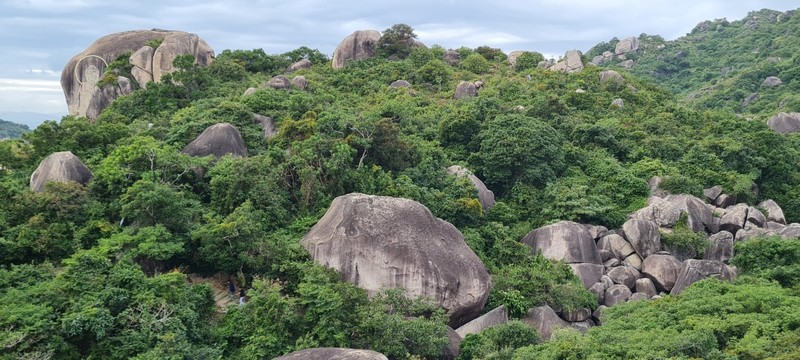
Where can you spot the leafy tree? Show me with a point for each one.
(397, 41)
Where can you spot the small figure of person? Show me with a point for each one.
(241, 296)
(231, 290)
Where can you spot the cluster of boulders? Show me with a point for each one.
(152, 53)
(625, 46)
(282, 82)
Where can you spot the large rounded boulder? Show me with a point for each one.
(60, 167)
(333, 354)
(153, 52)
(379, 242)
(693, 271)
(218, 140)
(785, 123)
(572, 243)
(357, 46)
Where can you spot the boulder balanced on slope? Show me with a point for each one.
(379, 242)
(571, 242)
(359, 45)
(485, 196)
(218, 140)
(60, 167)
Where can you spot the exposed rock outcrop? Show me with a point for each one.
(625, 46)
(380, 242)
(785, 123)
(279, 82)
(267, 125)
(103, 96)
(465, 89)
(357, 46)
(643, 236)
(693, 271)
(571, 62)
(400, 84)
(611, 76)
(82, 73)
(662, 269)
(218, 140)
(774, 212)
(60, 167)
(485, 196)
(568, 241)
(333, 354)
(498, 316)
(299, 65)
(545, 320)
(771, 81)
(721, 247)
(299, 82)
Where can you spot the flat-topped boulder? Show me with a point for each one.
(60, 167)
(379, 242)
(218, 140)
(485, 196)
(565, 240)
(357, 46)
(153, 52)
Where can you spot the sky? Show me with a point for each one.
(37, 37)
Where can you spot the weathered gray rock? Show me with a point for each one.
(660, 211)
(498, 316)
(485, 196)
(734, 218)
(774, 212)
(299, 82)
(597, 315)
(545, 320)
(588, 273)
(618, 103)
(785, 123)
(400, 84)
(627, 64)
(606, 255)
(571, 62)
(791, 232)
(643, 236)
(634, 261)
(465, 89)
(565, 240)
(267, 124)
(179, 43)
(617, 245)
(755, 217)
(142, 61)
(774, 226)
(333, 354)
(638, 297)
(749, 99)
(655, 187)
(299, 65)
(662, 269)
(725, 200)
(575, 315)
(218, 140)
(381, 242)
(452, 350)
(452, 57)
(699, 217)
(721, 248)
(357, 46)
(279, 82)
(611, 76)
(60, 167)
(606, 281)
(103, 96)
(624, 275)
(625, 46)
(712, 193)
(771, 81)
(646, 286)
(617, 294)
(596, 231)
(693, 271)
(610, 263)
(599, 291)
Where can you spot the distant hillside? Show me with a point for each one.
(10, 130)
(723, 64)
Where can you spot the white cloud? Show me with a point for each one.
(33, 95)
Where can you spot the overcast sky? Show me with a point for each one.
(37, 37)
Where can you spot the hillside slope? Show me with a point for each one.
(725, 64)
(11, 130)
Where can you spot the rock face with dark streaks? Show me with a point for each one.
(571, 242)
(60, 167)
(380, 242)
(218, 140)
(693, 271)
(83, 72)
(359, 45)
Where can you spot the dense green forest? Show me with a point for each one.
(10, 130)
(723, 64)
(101, 271)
